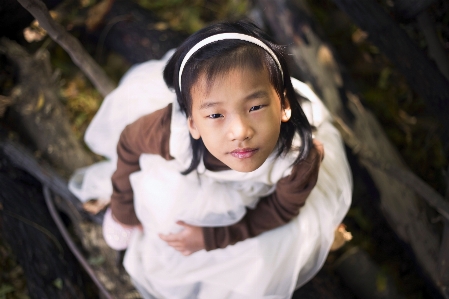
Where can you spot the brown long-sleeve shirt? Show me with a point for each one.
(150, 134)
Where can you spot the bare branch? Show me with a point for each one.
(72, 46)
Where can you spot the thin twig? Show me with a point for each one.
(65, 234)
(23, 159)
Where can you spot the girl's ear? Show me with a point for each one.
(192, 128)
(286, 111)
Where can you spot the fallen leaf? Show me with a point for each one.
(58, 283)
(95, 206)
(40, 102)
(341, 236)
(5, 289)
(97, 13)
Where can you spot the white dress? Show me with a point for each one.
(271, 265)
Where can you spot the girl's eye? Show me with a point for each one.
(254, 108)
(215, 115)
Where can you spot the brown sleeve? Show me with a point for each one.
(274, 210)
(149, 134)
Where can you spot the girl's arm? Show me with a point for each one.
(274, 210)
(149, 134)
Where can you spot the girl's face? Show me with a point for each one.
(238, 117)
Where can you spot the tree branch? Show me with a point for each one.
(72, 46)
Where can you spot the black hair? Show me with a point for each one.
(222, 56)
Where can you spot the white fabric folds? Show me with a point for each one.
(271, 265)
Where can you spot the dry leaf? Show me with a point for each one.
(4, 103)
(40, 102)
(341, 236)
(359, 36)
(34, 35)
(96, 14)
(96, 206)
(34, 32)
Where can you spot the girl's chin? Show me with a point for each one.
(241, 167)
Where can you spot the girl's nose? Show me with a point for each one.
(240, 129)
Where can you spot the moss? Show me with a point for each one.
(192, 15)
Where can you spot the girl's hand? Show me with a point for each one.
(116, 234)
(188, 241)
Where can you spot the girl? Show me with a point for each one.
(209, 181)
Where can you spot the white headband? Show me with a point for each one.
(223, 36)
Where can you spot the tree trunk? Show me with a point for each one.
(421, 73)
(359, 128)
(408, 9)
(134, 32)
(38, 113)
(104, 262)
(435, 47)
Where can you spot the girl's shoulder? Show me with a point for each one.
(150, 133)
(160, 118)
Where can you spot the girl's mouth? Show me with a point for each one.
(243, 153)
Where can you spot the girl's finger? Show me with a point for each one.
(180, 222)
(181, 249)
(185, 253)
(170, 237)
